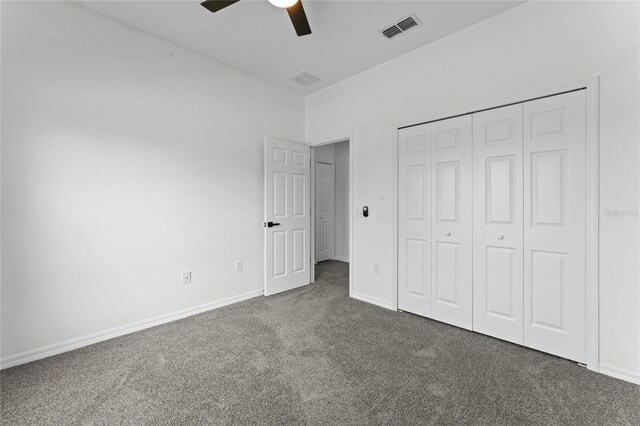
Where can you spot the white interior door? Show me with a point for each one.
(414, 220)
(324, 211)
(287, 223)
(555, 225)
(452, 221)
(497, 223)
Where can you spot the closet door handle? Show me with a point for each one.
(500, 237)
(448, 234)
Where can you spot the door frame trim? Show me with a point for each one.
(348, 137)
(592, 86)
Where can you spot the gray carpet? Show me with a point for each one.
(311, 356)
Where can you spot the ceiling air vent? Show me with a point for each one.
(401, 26)
(304, 78)
(391, 32)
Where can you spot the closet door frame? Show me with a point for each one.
(591, 86)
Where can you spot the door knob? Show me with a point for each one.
(448, 234)
(500, 237)
(271, 224)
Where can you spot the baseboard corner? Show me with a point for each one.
(372, 300)
(620, 373)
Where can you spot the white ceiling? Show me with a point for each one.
(258, 38)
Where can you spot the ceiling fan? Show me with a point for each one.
(294, 8)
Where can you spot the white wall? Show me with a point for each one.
(125, 161)
(341, 173)
(530, 47)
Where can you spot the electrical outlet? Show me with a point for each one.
(376, 268)
(238, 265)
(186, 277)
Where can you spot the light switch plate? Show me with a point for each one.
(186, 277)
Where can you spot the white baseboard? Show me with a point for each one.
(341, 259)
(620, 373)
(90, 339)
(372, 300)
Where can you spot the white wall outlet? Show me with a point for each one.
(186, 277)
(238, 265)
(376, 268)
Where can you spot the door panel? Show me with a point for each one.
(287, 200)
(279, 253)
(279, 194)
(299, 185)
(446, 265)
(414, 220)
(447, 191)
(299, 252)
(452, 225)
(498, 220)
(500, 283)
(548, 285)
(415, 176)
(500, 185)
(554, 225)
(548, 191)
(324, 211)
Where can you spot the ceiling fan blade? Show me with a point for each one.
(216, 5)
(299, 19)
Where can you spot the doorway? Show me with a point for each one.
(331, 207)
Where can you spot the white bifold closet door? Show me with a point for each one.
(451, 285)
(555, 225)
(434, 213)
(414, 225)
(530, 224)
(497, 223)
(526, 178)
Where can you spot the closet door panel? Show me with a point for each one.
(452, 221)
(498, 221)
(414, 220)
(555, 225)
